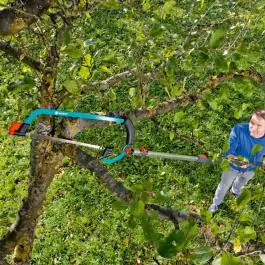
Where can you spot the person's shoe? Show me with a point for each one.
(213, 208)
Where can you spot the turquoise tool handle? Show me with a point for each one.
(129, 142)
(62, 113)
(88, 116)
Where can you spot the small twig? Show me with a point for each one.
(249, 253)
(20, 11)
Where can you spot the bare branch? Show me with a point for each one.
(19, 11)
(118, 188)
(21, 14)
(72, 127)
(100, 171)
(20, 55)
(113, 80)
(45, 161)
(257, 251)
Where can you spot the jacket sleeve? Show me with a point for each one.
(233, 141)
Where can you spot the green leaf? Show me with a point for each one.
(206, 215)
(84, 72)
(149, 230)
(68, 103)
(256, 148)
(169, 7)
(137, 208)
(213, 104)
(71, 86)
(175, 91)
(225, 165)
(237, 245)
(262, 237)
(179, 116)
(178, 239)
(202, 4)
(168, 247)
(171, 135)
(88, 60)
(66, 37)
(111, 4)
(217, 38)
(146, 5)
(132, 92)
(201, 255)
(244, 106)
(238, 113)
(132, 222)
(73, 52)
(111, 58)
(243, 199)
(233, 66)
(228, 259)
(137, 187)
(105, 69)
(247, 233)
(147, 185)
(221, 64)
(202, 58)
(246, 219)
(120, 205)
(136, 102)
(112, 94)
(215, 229)
(226, 147)
(190, 229)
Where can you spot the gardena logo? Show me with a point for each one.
(61, 113)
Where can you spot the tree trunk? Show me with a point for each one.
(45, 161)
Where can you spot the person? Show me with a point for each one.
(243, 142)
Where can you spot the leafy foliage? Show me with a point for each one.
(183, 43)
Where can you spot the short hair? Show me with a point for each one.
(260, 113)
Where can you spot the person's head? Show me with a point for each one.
(257, 124)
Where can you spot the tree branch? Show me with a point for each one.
(19, 55)
(72, 127)
(113, 80)
(45, 161)
(21, 14)
(100, 171)
(118, 188)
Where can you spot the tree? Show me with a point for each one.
(67, 51)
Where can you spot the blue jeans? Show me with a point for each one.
(239, 179)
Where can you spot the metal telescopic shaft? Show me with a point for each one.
(60, 140)
(172, 156)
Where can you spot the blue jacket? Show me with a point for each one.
(241, 144)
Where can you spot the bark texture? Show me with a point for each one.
(118, 188)
(45, 161)
(21, 14)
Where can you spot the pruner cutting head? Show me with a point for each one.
(18, 128)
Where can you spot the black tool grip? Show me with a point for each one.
(129, 130)
(22, 130)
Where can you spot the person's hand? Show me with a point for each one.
(231, 157)
(242, 163)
